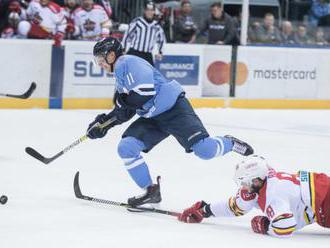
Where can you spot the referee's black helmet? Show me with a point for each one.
(149, 5)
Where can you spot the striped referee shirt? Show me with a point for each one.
(142, 35)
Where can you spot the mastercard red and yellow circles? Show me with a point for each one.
(218, 73)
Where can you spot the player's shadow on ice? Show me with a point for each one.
(228, 227)
(235, 227)
(309, 234)
(238, 227)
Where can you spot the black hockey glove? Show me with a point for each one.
(120, 113)
(94, 130)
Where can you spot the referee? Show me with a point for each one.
(142, 35)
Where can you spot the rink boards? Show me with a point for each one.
(196, 102)
(267, 77)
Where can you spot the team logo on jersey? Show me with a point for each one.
(89, 25)
(246, 196)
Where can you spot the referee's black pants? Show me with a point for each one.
(143, 55)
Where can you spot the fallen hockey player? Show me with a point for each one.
(289, 201)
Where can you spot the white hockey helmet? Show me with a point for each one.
(252, 167)
(23, 28)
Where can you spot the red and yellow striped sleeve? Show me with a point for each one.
(283, 225)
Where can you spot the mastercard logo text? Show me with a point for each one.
(218, 72)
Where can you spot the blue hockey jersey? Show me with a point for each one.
(135, 74)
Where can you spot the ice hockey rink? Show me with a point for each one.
(42, 210)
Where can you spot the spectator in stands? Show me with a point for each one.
(15, 14)
(220, 26)
(106, 6)
(320, 37)
(319, 9)
(143, 34)
(46, 20)
(69, 8)
(253, 32)
(10, 31)
(287, 33)
(163, 16)
(301, 36)
(184, 26)
(91, 21)
(268, 32)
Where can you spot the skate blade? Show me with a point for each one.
(134, 210)
(147, 205)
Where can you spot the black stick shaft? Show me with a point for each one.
(121, 204)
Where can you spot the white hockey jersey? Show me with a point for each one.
(287, 200)
(51, 17)
(93, 24)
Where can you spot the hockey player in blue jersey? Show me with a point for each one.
(163, 109)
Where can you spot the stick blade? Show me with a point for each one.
(27, 94)
(76, 186)
(32, 152)
(30, 91)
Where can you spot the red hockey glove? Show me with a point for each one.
(70, 28)
(196, 213)
(260, 224)
(58, 37)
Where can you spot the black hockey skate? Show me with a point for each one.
(240, 146)
(152, 195)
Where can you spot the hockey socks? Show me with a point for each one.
(209, 148)
(139, 171)
(129, 150)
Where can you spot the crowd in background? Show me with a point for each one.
(46, 19)
(266, 32)
(95, 19)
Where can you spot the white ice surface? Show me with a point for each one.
(43, 212)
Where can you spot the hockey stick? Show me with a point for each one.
(79, 195)
(26, 95)
(32, 152)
